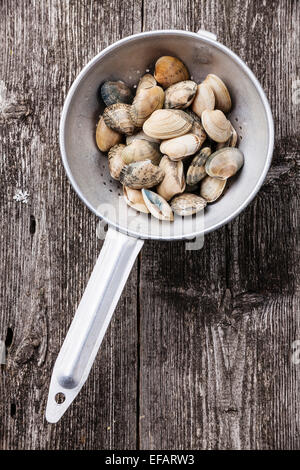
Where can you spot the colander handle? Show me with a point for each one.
(207, 34)
(91, 320)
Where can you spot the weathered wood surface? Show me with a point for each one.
(198, 355)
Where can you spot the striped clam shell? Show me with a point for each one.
(187, 204)
(115, 160)
(145, 103)
(115, 92)
(117, 117)
(170, 70)
(157, 205)
(216, 125)
(180, 95)
(140, 150)
(134, 198)
(181, 147)
(167, 123)
(224, 163)
(222, 96)
(140, 175)
(212, 188)
(196, 171)
(174, 181)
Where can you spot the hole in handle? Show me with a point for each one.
(60, 398)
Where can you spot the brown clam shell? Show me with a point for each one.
(170, 70)
(106, 137)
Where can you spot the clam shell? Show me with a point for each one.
(144, 103)
(167, 123)
(204, 99)
(186, 114)
(224, 162)
(115, 92)
(140, 136)
(196, 171)
(141, 175)
(134, 198)
(140, 150)
(216, 125)
(212, 188)
(180, 147)
(115, 161)
(157, 205)
(170, 70)
(173, 182)
(117, 117)
(180, 95)
(193, 116)
(106, 137)
(146, 82)
(222, 96)
(197, 127)
(231, 142)
(187, 204)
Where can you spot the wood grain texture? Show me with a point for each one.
(45, 272)
(198, 355)
(217, 373)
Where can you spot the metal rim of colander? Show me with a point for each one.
(235, 58)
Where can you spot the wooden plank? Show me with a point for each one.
(49, 246)
(213, 334)
(217, 326)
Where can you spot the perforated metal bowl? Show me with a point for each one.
(88, 172)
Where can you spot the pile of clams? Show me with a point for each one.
(171, 145)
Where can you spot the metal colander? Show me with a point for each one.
(87, 170)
